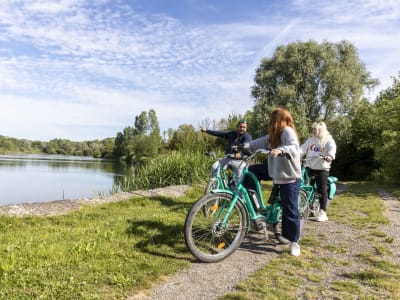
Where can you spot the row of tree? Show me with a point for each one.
(315, 81)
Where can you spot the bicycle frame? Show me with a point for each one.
(219, 178)
(309, 186)
(267, 213)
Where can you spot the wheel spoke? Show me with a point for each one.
(206, 234)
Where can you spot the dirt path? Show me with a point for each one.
(210, 281)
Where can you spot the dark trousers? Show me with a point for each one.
(261, 172)
(290, 210)
(321, 179)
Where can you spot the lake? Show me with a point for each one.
(43, 178)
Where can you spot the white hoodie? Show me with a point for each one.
(313, 148)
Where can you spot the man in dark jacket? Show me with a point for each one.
(234, 137)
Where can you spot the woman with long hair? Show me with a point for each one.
(320, 144)
(284, 168)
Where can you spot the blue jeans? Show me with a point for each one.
(290, 210)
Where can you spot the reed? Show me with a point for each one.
(173, 169)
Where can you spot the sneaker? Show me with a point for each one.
(322, 217)
(295, 250)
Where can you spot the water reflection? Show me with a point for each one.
(42, 178)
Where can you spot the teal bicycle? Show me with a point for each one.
(217, 223)
(309, 187)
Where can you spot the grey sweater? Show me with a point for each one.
(280, 168)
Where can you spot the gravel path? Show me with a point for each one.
(210, 281)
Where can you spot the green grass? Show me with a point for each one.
(102, 252)
(308, 276)
(119, 249)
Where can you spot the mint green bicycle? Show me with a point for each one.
(217, 223)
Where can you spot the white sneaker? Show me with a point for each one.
(295, 250)
(322, 217)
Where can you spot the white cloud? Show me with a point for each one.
(79, 64)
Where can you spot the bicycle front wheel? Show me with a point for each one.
(207, 237)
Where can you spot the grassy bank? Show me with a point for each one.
(117, 249)
(103, 252)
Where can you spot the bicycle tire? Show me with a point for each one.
(304, 210)
(204, 238)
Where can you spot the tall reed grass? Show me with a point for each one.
(173, 169)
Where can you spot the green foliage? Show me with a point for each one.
(387, 123)
(173, 169)
(137, 144)
(314, 81)
(95, 148)
(186, 138)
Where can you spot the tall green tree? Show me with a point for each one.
(315, 81)
(140, 142)
(387, 125)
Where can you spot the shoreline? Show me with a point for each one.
(58, 207)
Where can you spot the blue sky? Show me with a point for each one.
(83, 69)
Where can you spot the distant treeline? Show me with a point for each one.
(96, 148)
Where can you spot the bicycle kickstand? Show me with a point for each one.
(264, 226)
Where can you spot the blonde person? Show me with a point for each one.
(320, 144)
(284, 168)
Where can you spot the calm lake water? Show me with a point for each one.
(43, 178)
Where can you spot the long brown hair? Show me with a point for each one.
(280, 118)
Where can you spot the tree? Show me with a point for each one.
(141, 141)
(386, 125)
(314, 81)
(186, 138)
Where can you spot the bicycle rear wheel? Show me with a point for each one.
(206, 236)
(304, 210)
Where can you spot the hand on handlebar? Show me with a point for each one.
(275, 153)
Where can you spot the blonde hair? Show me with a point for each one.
(322, 132)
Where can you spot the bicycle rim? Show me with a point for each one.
(206, 237)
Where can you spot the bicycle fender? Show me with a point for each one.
(222, 191)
